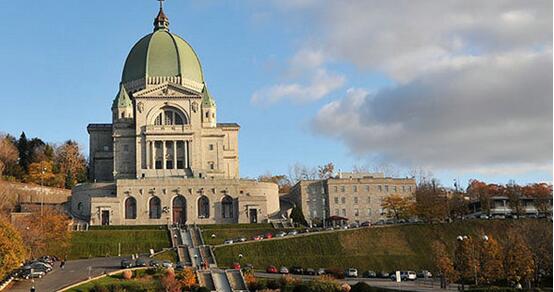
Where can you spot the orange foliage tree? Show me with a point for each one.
(188, 278)
(12, 249)
(443, 262)
(47, 234)
(397, 206)
(492, 266)
(169, 282)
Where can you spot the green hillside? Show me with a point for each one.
(105, 242)
(378, 249)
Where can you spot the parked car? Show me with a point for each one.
(370, 274)
(412, 275)
(31, 273)
(354, 225)
(280, 234)
(383, 274)
(271, 269)
(125, 264)
(293, 232)
(424, 274)
(41, 266)
(229, 241)
(241, 239)
(155, 263)
(268, 235)
(257, 237)
(248, 268)
(365, 224)
(46, 259)
(405, 275)
(330, 228)
(351, 273)
(141, 262)
(310, 272)
(235, 266)
(179, 266)
(483, 216)
(296, 270)
(167, 264)
(283, 270)
(320, 271)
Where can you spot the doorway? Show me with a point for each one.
(179, 210)
(105, 217)
(253, 214)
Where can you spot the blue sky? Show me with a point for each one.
(288, 72)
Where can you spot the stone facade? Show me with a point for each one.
(164, 158)
(355, 196)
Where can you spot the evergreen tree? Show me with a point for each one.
(23, 148)
(297, 216)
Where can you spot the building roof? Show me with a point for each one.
(122, 99)
(162, 54)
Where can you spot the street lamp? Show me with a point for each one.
(463, 238)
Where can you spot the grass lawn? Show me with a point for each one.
(378, 249)
(98, 243)
(233, 231)
(170, 255)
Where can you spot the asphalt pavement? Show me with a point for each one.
(74, 272)
(417, 285)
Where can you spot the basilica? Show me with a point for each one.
(165, 158)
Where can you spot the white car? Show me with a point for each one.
(229, 241)
(352, 273)
(412, 275)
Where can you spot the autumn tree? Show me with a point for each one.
(326, 171)
(187, 278)
(466, 259)
(43, 173)
(542, 193)
(281, 180)
(71, 162)
(540, 243)
(514, 194)
(480, 190)
(8, 153)
(491, 260)
(397, 206)
(431, 201)
(443, 263)
(12, 249)
(457, 205)
(518, 262)
(46, 234)
(169, 281)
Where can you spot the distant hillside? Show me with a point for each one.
(377, 249)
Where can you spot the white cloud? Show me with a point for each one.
(307, 80)
(491, 113)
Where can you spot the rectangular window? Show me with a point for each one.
(394, 189)
(369, 212)
(355, 200)
(336, 200)
(386, 188)
(314, 213)
(342, 189)
(356, 212)
(169, 164)
(336, 188)
(403, 188)
(355, 189)
(343, 212)
(369, 200)
(367, 188)
(380, 188)
(337, 212)
(211, 146)
(125, 148)
(343, 200)
(180, 164)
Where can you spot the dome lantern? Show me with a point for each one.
(161, 21)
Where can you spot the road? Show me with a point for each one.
(75, 271)
(418, 285)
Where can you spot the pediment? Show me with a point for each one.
(166, 90)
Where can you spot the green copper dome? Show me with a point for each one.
(162, 54)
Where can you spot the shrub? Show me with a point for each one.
(127, 275)
(273, 284)
(361, 287)
(99, 288)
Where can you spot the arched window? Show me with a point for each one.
(170, 116)
(130, 208)
(227, 207)
(155, 208)
(203, 207)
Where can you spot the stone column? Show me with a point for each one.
(174, 154)
(152, 155)
(163, 154)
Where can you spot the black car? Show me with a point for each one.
(155, 263)
(126, 264)
(310, 272)
(370, 274)
(180, 266)
(383, 274)
(141, 262)
(296, 270)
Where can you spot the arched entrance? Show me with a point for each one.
(179, 210)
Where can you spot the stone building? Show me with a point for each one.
(164, 158)
(355, 196)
